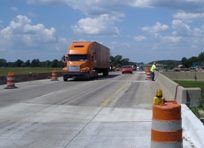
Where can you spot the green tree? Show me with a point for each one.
(34, 63)
(117, 60)
(48, 63)
(170, 64)
(61, 64)
(3, 63)
(201, 58)
(125, 61)
(54, 63)
(191, 61)
(11, 64)
(27, 63)
(37, 62)
(184, 61)
(18, 63)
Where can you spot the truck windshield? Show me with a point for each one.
(77, 57)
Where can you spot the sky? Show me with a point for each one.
(140, 30)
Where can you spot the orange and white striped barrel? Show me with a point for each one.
(10, 81)
(148, 74)
(54, 75)
(166, 125)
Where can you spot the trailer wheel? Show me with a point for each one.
(105, 72)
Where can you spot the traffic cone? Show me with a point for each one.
(10, 81)
(54, 75)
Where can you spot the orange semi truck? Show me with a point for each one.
(85, 60)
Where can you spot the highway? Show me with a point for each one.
(112, 112)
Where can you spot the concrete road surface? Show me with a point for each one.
(110, 112)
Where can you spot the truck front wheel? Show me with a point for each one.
(64, 78)
(87, 76)
(96, 74)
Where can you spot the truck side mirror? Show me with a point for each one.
(65, 58)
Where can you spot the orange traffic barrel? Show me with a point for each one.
(54, 75)
(10, 81)
(166, 125)
(148, 74)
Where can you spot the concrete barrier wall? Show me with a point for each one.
(192, 125)
(29, 77)
(185, 75)
(173, 91)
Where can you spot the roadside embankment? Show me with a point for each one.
(29, 77)
(173, 91)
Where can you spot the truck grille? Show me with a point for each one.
(74, 68)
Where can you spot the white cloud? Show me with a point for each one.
(89, 7)
(189, 16)
(48, 2)
(184, 5)
(1, 22)
(98, 7)
(181, 29)
(194, 47)
(198, 32)
(140, 38)
(100, 26)
(23, 35)
(158, 27)
(124, 45)
(63, 43)
(141, 3)
(14, 9)
(172, 39)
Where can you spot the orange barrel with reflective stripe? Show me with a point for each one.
(54, 75)
(10, 81)
(166, 125)
(148, 74)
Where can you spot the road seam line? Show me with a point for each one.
(116, 92)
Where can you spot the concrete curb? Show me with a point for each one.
(193, 126)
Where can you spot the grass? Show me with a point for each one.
(26, 70)
(188, 84)
(195, 109)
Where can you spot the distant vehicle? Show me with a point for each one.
(134, 67)
(141, 68)
(85, 60)
(127, 69)
(180, 66)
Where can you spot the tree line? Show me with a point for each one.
(193, 61)
(185, 62)
(32, 63)
(116, 61)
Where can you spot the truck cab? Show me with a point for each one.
(85, 60)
